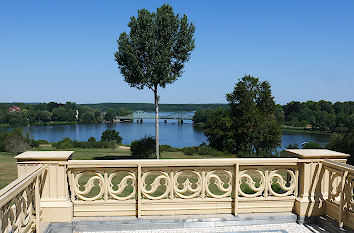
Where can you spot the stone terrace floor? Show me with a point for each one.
(223, 223)
(268, 228)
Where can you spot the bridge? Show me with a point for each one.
(151, 115)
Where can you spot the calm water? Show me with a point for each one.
(171, 133)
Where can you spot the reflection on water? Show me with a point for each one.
(171, 133)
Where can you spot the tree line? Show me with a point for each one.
(19, 114)
(319, 116)
(66, 113)
(322, 115)
(149, 107)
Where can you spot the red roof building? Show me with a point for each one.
(14, 109)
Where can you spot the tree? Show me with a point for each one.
(59, 114)
(249, 126)
(343, 143)
(87, 118)
(143, 148)
(14, 141)
(44, 115)
(153, 54)
(111, 135)
(110, 115)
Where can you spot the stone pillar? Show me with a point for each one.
(55, 202)
(313, 179)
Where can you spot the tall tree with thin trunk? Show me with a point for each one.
(153, 53)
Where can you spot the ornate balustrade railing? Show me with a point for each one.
(165, 187)
(19, 202)
(308, 184)
(340, 202)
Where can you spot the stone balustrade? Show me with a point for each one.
(312, 183)
(20, 202)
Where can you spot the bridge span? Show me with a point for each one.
(151, 115)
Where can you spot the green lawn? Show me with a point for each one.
(8, 168)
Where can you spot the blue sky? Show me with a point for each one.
(63, 50)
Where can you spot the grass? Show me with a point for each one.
(91, 153)
(8, 169)
(302, 130)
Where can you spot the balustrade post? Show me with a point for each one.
(55, 205)
(341, 202)
(313, 179)
(139, 191)
(37, 203)
(236, 188)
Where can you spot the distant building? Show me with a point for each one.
(14, 109)
(308, 126)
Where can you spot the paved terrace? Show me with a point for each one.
(56, 194)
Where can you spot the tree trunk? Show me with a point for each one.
(157, 123)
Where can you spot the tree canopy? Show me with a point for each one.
(154, 51)
(249, 126)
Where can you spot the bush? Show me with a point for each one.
(143, 148)
(189, 150)
(168, 148)
(312, 145)
(15, 142)
(112, 144)
(42, 142)
(202, 149)
(91, 139)
(111, 135)
(66, 143)
(205, 150)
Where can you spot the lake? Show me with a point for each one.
(171, 133)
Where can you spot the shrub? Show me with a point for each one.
(42, 141)
(189, 151)
(168, 148)
(91, 139)
(205, 150)
(15, 142)
(143, 148)
(112, 144)
(111, 135)
(66, 143)
(312, 145)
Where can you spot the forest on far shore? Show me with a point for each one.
(320, 116)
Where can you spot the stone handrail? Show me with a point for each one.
(19, 202)
(340, 202)
(182, 186)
